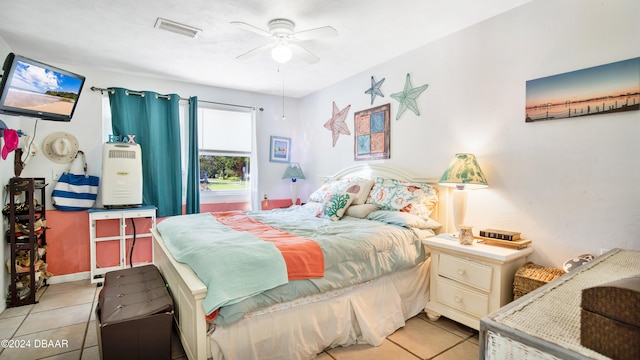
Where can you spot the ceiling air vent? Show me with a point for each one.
(177, 28)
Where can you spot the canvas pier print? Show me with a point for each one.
(603, 89)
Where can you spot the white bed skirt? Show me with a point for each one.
(366, 314)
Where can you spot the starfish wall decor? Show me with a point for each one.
(374, 90)
(337, 124)
(407, 98)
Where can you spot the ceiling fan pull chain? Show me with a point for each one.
(282, 92)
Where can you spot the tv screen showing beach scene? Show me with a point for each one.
(35, 89)
(604, 89)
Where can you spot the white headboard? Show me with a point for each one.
(389, 172)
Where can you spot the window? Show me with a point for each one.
(225, 146)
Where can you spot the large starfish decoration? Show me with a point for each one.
(375, 89)
(336, 124)
(407, 98)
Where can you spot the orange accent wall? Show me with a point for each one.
(68, 242)
(68, 239)
(68, 236)
(107, 251)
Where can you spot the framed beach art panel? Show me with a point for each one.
(372, 133)
(280, 149)
(603, 89)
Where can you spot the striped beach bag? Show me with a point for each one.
(74, 192)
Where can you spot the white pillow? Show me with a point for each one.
(403, 219)
(361, 211)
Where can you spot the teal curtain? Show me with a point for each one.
(193, 166)
(155, 123)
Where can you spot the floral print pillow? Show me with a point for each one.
(359, 187)
(414, 198)
(328, 188)
(336, 205)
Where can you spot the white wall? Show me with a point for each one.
(568, 185)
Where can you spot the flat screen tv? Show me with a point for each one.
(34, 89)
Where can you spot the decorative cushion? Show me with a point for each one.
(361, 211)
(337, 205)
(327, 189)
(356, 186)
(360, 189)
(414, 198)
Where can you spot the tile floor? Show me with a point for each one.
(64, 320)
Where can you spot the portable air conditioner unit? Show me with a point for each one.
(121, 175)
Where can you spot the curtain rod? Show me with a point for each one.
(102, 90)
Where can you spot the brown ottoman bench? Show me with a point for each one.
(134, 315)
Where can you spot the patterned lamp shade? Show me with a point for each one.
(464, 173)
(293, 172)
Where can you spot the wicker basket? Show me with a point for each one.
(531, 276)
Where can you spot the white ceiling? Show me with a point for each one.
(119, 35)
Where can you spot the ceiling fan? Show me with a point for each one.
(285, 38)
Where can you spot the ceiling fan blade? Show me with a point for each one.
(305, 54)
(252, 28)
(325, 31)
(255, 51)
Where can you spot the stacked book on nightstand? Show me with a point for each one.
(502, 237)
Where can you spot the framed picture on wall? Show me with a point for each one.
(603, 89)
(372, 133)
(280, 149)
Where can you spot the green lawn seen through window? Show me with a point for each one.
(222, 185)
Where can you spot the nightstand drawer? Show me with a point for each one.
(465, 271)
(465, 300)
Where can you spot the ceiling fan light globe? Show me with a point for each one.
(281, 53)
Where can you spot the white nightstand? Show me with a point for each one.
(468, 282)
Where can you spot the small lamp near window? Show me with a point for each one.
(293, 172)
(464, 174)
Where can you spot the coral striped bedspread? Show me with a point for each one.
(354, 251)
(303, 257)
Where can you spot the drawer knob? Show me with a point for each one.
(458, 298)
(460, 271)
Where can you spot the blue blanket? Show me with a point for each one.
(233, 265)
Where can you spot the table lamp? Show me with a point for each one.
(293, 172)
(464, 174)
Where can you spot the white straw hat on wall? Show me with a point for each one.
(60, 147)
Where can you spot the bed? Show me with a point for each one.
(291, 320)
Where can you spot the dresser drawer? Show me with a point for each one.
(465, 300)
(465, 271)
